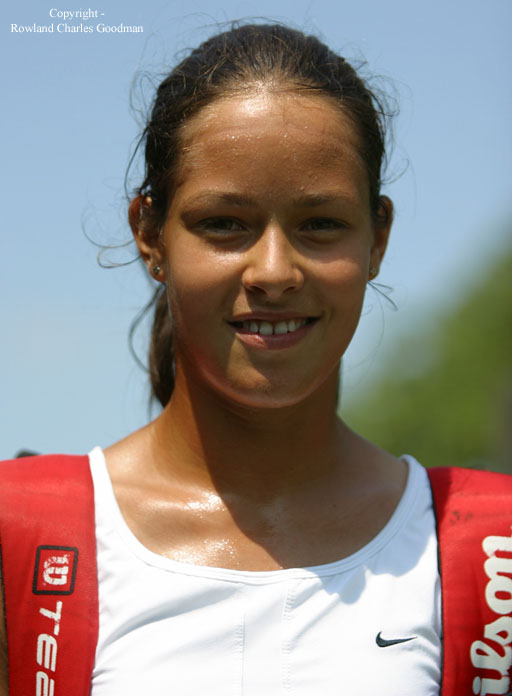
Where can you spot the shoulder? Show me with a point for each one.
(474, 517)
(40, 466)
(31, 487)
(39, 473)
(471, 505)
(46, 523)
(459, 482)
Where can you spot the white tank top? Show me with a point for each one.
(368, 625)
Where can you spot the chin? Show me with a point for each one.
(264, 393)
(267, 401)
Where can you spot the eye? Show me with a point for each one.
(221, 228)
(221, 224)
(323, 229)
(321, 224)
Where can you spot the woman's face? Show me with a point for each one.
(267, 246)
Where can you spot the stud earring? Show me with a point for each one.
(156, 270)
(372, 272)
(145, 203)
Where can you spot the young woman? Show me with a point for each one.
(248, 541)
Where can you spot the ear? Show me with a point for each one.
(149, 243)
(381, 229)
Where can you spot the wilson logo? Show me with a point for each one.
(55, 570)
(493, 654)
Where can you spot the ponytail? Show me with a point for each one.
(161, 363)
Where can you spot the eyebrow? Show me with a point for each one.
(211, 197)
(313, 199)
(305, 200)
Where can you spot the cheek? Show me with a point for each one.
(345, 281)
(198, 286)
(345, 287)
(187, 301)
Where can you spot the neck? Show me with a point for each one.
(258, 453)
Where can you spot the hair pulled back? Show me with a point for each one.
(271, 55)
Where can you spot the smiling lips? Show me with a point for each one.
(269, 328)
(282, 333)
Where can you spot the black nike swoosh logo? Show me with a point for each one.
(383, 643)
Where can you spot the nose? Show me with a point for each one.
(273, 265)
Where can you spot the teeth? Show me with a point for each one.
(281, 327)
(267, 328)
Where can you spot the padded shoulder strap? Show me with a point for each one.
(48, 554)
(474, 520)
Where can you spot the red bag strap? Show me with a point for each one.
(48, 556)
(474, 521)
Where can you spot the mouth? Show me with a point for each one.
(264, 327)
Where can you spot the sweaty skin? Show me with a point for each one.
(248, 465)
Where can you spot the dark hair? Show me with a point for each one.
(231, 62)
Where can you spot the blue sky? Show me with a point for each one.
(67, 380)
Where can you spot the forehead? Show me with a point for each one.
(282, 136)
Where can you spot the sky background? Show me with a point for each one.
(67, 379)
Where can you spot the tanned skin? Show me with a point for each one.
(248, 466)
